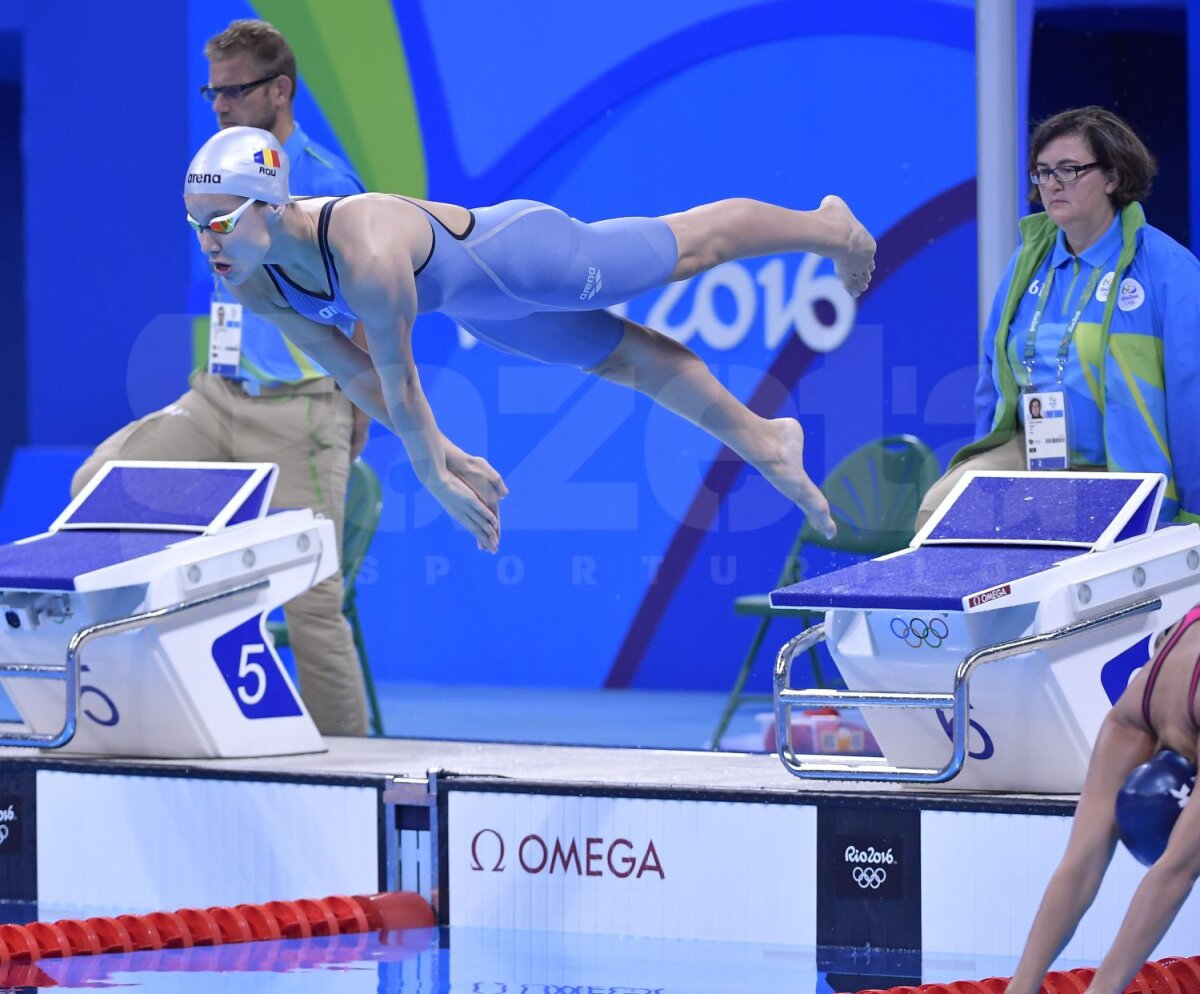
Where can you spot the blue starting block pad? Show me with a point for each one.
(993, 530)
(170, 570)
(1009, 556)
(170, 497)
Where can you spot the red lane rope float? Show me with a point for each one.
(113, 936)
(320, 919)
(174, 933)
(1159, 979)
(293, 922)
(396, 910)
(263, 924)
(1173, 975)
(51, 940)
(202, 925)
(83, 938)
(20, 943)
(1186, 971)
(349, 915)
(23, 945)
(1064, 983)
(142, 933)
(233, 925)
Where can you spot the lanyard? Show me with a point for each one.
(1065, 345)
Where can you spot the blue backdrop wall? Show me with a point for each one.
(105, 130)
(626, 537)
(624, 543)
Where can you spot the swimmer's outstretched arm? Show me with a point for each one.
(376, 248)
(471, 480)
(1155, 904)
(345, 360)
(1120, 746)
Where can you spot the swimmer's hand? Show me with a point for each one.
(465, 507)
(481, 477)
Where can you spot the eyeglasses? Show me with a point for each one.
(235, 91)
(1064, 174)
(222, 224)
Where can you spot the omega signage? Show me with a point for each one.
(537, 854)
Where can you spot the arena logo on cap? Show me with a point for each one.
(214, 178)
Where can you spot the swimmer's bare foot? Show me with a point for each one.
(784, 470)
(855, 261)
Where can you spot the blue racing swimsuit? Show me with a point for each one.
(524, 277)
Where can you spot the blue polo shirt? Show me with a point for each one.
(1152, 354)
(269, 358)
(1085, 422)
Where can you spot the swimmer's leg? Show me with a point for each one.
(674, 377)
(740, 228)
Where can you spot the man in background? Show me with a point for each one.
(261, 399)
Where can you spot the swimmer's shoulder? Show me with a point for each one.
(1128, 709)
(374, 230)
(456, 220)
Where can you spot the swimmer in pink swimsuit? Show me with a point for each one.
(1138, 784)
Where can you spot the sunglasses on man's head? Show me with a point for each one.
(222, 224)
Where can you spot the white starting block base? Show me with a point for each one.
(1007, 557)
(135, 625)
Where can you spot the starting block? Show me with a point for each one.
(135, 625)
(1064, 575)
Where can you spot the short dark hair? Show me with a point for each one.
(262, 41)
(1114, 144)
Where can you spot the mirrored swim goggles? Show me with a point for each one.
(222, 224)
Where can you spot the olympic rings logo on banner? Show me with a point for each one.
(917, 632)
(869, 877)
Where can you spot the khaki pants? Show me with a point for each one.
(305, 430)
(1009, 456)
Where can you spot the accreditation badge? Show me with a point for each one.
(224, 337)
(1046, 429)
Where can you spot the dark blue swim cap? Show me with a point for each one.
(1150, 801)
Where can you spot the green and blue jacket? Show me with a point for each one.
(1132, 377)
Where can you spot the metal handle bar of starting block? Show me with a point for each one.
(70, 672)
(958, 699)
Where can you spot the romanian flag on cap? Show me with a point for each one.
(267, 157)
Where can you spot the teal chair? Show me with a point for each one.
(364, 505)
(874, 494)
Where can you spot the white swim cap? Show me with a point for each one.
(244, 162)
